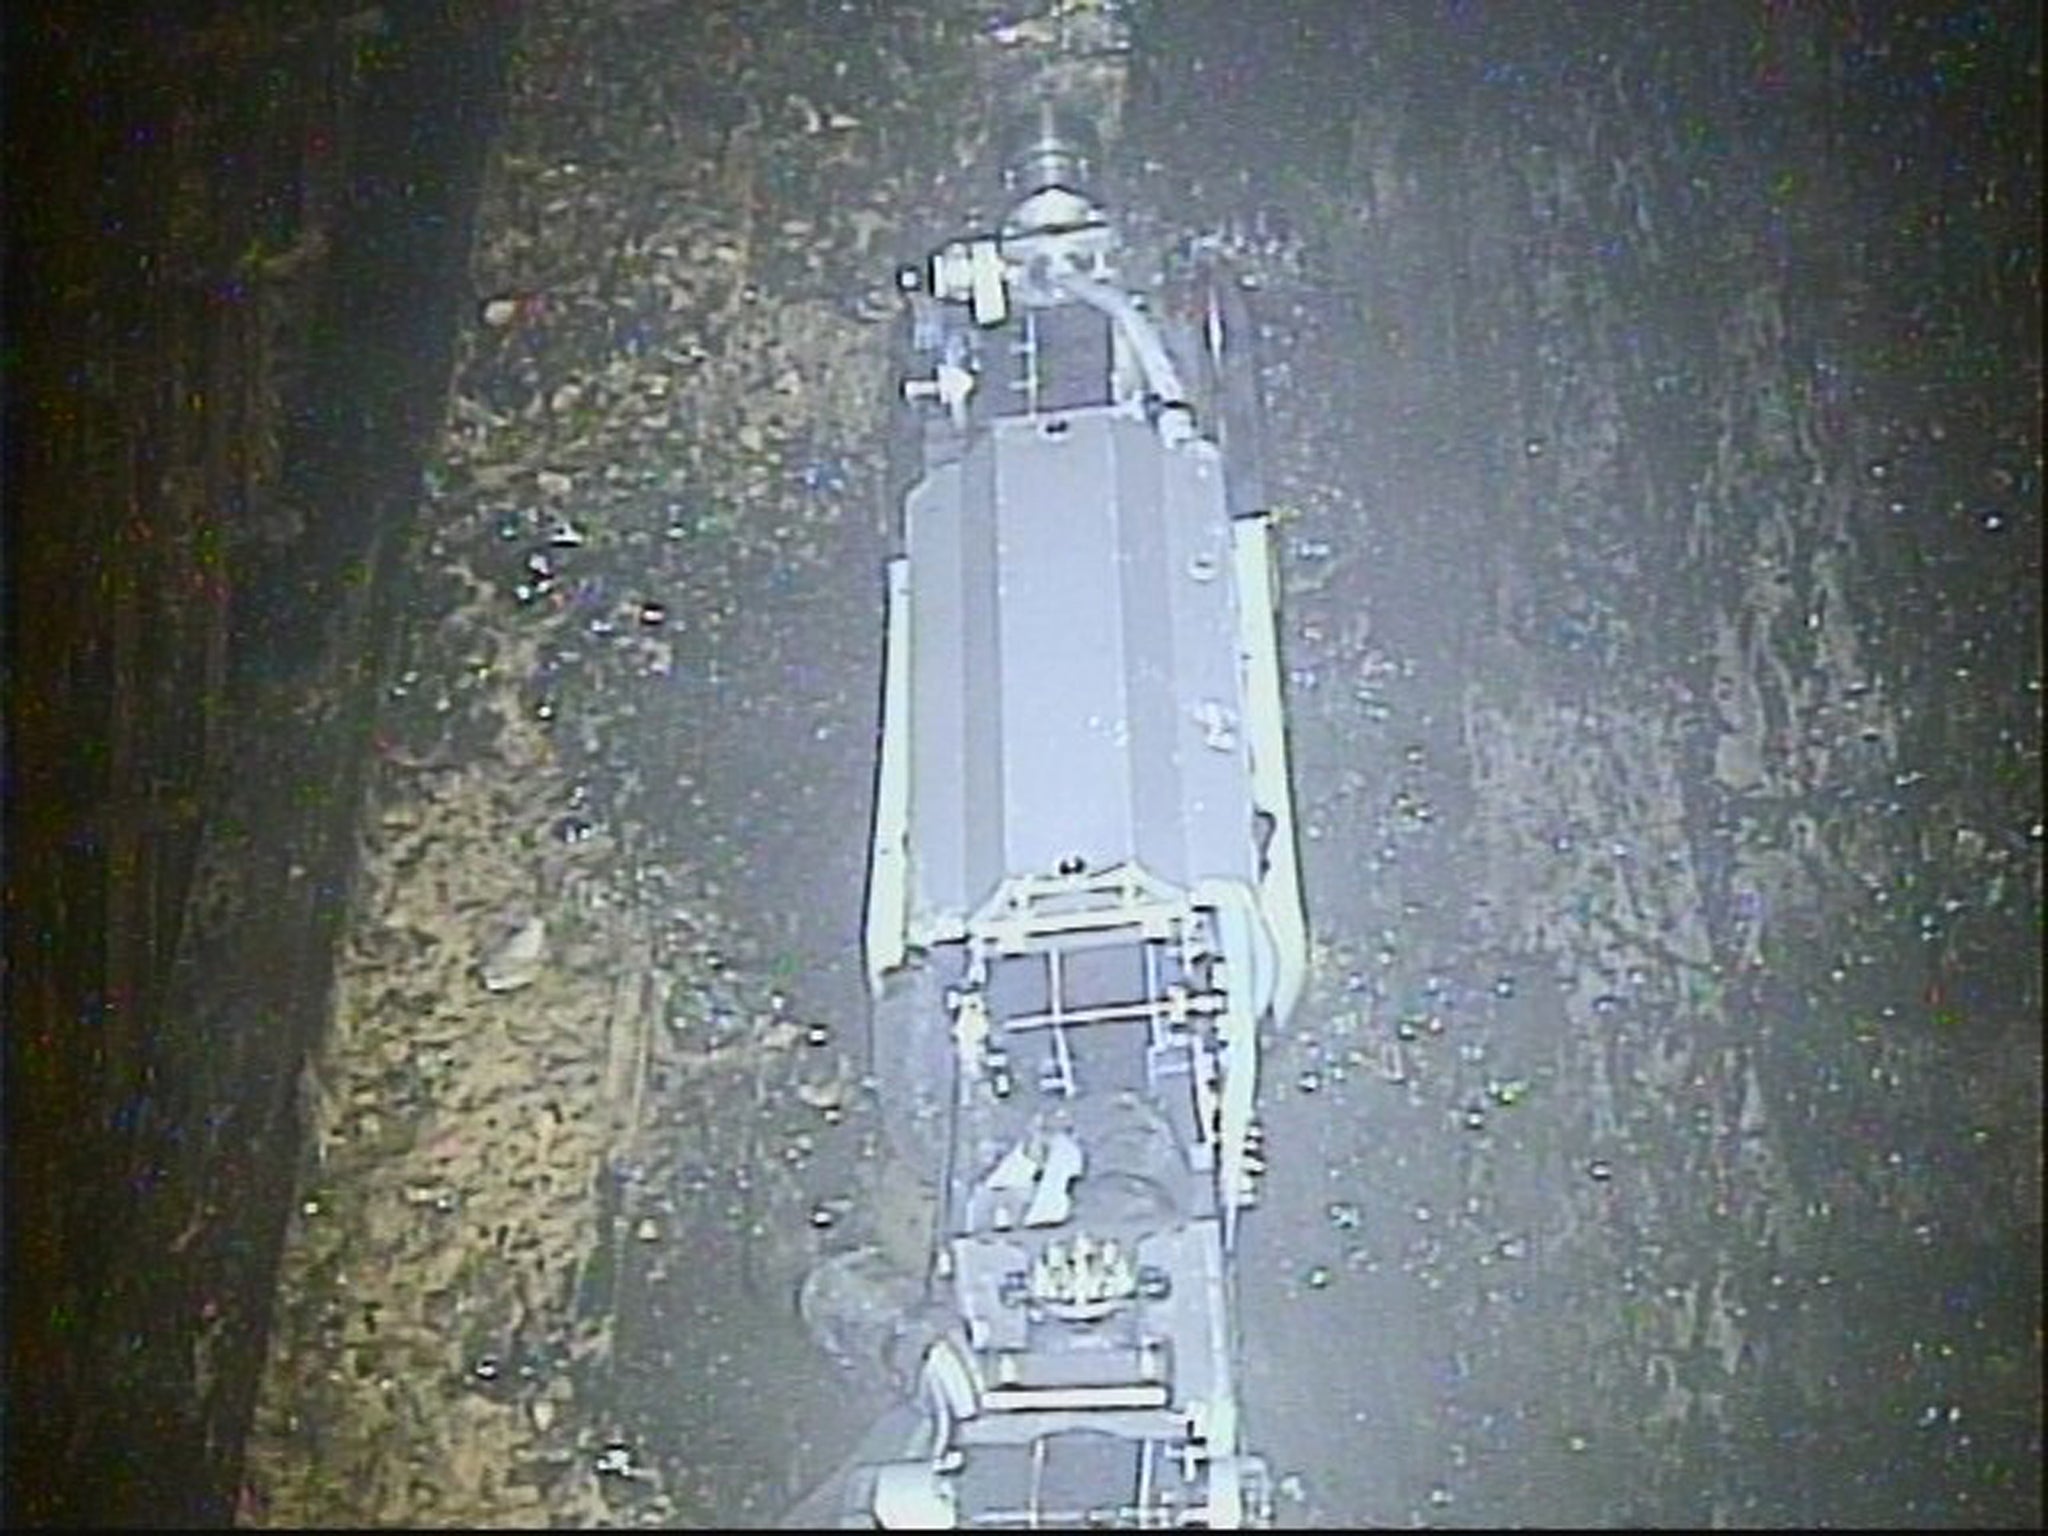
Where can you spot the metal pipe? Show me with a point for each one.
(1161, 377)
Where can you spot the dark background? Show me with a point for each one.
(235, 235)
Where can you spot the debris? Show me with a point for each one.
(516, 960)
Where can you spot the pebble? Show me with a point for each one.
(517, 960)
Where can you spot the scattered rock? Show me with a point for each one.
(516, 960)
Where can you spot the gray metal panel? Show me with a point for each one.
(1067, 774)
(1215, 789)
(955, 730)
(938, 726)
(1064, 646)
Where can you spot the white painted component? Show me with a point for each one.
(1280, 902)
(888, 881)
(911, 1496)
(1053, 1201)
(950, 386)
(1226, 1495)
(1016, 1170)
(949, 1381)
(970, 1032)
(989, 284)
(1131, 1395)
